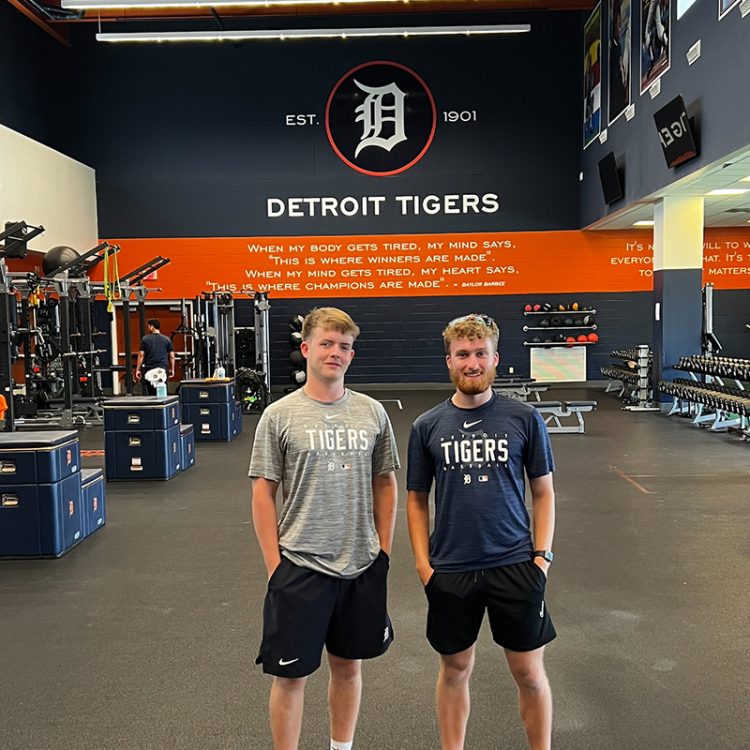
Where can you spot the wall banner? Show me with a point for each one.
(656, 37)
(619, 58)
(592, 76)
(423, 264)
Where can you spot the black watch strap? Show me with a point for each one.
(545, 554)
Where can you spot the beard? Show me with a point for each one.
(473, 386)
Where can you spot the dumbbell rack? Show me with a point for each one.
(636, 388)
(643, 391)
(711, 402)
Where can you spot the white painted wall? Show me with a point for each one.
(44, 187)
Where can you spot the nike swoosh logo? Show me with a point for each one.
(283, 663)
(471, 424)
(329, 417)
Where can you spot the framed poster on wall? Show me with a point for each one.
(592, 76)
(619, 39)
(725, 6)
(656, 37)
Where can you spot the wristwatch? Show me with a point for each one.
(545, 554)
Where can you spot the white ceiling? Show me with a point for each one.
(720, 211)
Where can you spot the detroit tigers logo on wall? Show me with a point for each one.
(380, 118)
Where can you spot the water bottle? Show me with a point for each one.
(161, 390)
(220, 373)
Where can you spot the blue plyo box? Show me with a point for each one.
(211, 421)
(142, 455)
(40, 457)
(187, 441)
(92, 493)
(206, 391)
(41, 520)
(141, 413)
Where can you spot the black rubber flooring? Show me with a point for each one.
(144, 636)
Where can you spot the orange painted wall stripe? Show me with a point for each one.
(423, 264)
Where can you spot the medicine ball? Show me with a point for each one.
(568, 322)
(570, 340)
(575, 306)
(562, 308)
(536, 340)
(578, 322)
(547, 307)
(544, 323)
(527, 308)
(537, 308)
(582, 338)
(299, 376)
(56, 257)
(560, 338)
(296, 357)
(588, 320)
(295, 338)
(593, 337)
(295, 324)
(555, 322)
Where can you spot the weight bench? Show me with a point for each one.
(554, 411)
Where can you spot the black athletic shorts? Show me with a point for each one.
(512, 595)
(305, 610)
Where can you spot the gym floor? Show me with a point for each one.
(144, 636)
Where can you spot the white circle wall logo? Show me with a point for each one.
(380, 118)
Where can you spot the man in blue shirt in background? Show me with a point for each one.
(478, 447)
(156, 350)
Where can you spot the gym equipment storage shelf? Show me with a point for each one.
(563, 327)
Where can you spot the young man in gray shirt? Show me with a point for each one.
(333, 452)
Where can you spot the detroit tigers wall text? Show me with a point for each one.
(373, 205)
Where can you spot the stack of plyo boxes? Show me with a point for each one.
(47, 503)
(210, 406)
(142, 438)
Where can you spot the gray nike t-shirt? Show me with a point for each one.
(325, 456)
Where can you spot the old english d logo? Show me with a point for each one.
(380, 118)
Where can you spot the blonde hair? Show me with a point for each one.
(329, 319)
(474, 326)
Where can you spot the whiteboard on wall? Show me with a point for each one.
(558, 364)
(41, 186)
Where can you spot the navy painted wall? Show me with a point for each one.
(715, 92)
(35, 76)
(193, 138)
(401, 337)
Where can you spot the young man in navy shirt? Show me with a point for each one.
(484, 554)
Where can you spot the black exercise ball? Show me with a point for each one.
(295, 324)
(56, 257)
(296, 357)
(295, 338)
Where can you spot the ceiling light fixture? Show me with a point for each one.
(285, 34)
(644, 223)
(745, 179)
(729, 191)
(135, 4)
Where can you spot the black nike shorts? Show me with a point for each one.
(512, 596)
(305, 610)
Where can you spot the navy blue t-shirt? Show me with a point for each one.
(478, 458)
(156, 348)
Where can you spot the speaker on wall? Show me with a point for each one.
(611, 178)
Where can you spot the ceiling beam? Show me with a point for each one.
(58, 34)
